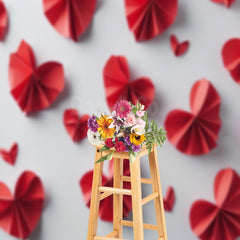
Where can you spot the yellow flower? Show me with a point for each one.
(137, 139)
(103, 127)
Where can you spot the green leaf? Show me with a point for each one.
(106, 157)
(132, 156)
(104, 148)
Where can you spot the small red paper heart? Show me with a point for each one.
(178, 48)
(20, 213)
(118, 85)
(169, 200)
(220, 220)
(196, 132)
(34, 88)
(227, 3)
(69, 17)
(76, 126)
(11, 155)
(231, 57)
(149, 18)
(3, 20)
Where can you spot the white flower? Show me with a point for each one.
(94, 138)
(138, 129)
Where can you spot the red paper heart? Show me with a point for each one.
(149, 18)
(231, 57)
(69, 17)
(34, 88)
(196, 133)
(11, 155)
(76, 126)
(219, 221)
(117, 84)
(3, 20)
(178, 48)
(169, 200)
(106, 205)
(20, 213)
(227, 3)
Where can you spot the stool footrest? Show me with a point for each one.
(149, 197)
(143, 180)
(145, 225)
(115, 190)
(106, 238)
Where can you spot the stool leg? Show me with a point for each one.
(159, 207)
(117, 198)
(95, 200)
(136, 199)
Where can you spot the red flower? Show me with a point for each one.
(220, 221)
(120, 147)
(109, 143)
(106, 205)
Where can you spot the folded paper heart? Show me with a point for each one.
(231, 57)
(220, 220)
(196, 132)
(118, 85)
(69, 17)
(10, 156)
(34, 88)
(177, 47)
(149, 18)
(227, 3)
(3, 20)
(20, 212)
(106, 205)
(169, 199)
(76, 126)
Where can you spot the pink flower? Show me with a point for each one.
(141, 122)
(122, 108)
(130, 120)
(140, 113)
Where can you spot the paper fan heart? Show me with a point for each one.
(149, 18)
(227, 3)
(3, 20)
(169, 200)
(20, 213)
(231, 58)
(118, 85)
(76, 126)
(196, 133)
(178, 48)
(106, 205)
(219, 221)
(34, 88)
(69, 17)
(11, 155)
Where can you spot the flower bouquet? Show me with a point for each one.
(126, 130)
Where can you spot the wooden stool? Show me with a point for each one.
(99, 192)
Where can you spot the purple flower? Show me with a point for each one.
(136, 148)
(127, 140)
(92, 124)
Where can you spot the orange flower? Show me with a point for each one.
(104, 122)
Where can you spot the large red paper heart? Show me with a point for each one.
(220, 221)
(149, 18)
(3, 20)
(69, 17)
(106, 205)
(169, 199)
(34, 88)
(20, 213)
(118, 85)
(177, 47)
(231, 57)
(76, 126)
(11, 155)
(227, 3)
(196, 133)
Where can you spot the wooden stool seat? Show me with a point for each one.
(100, 192)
